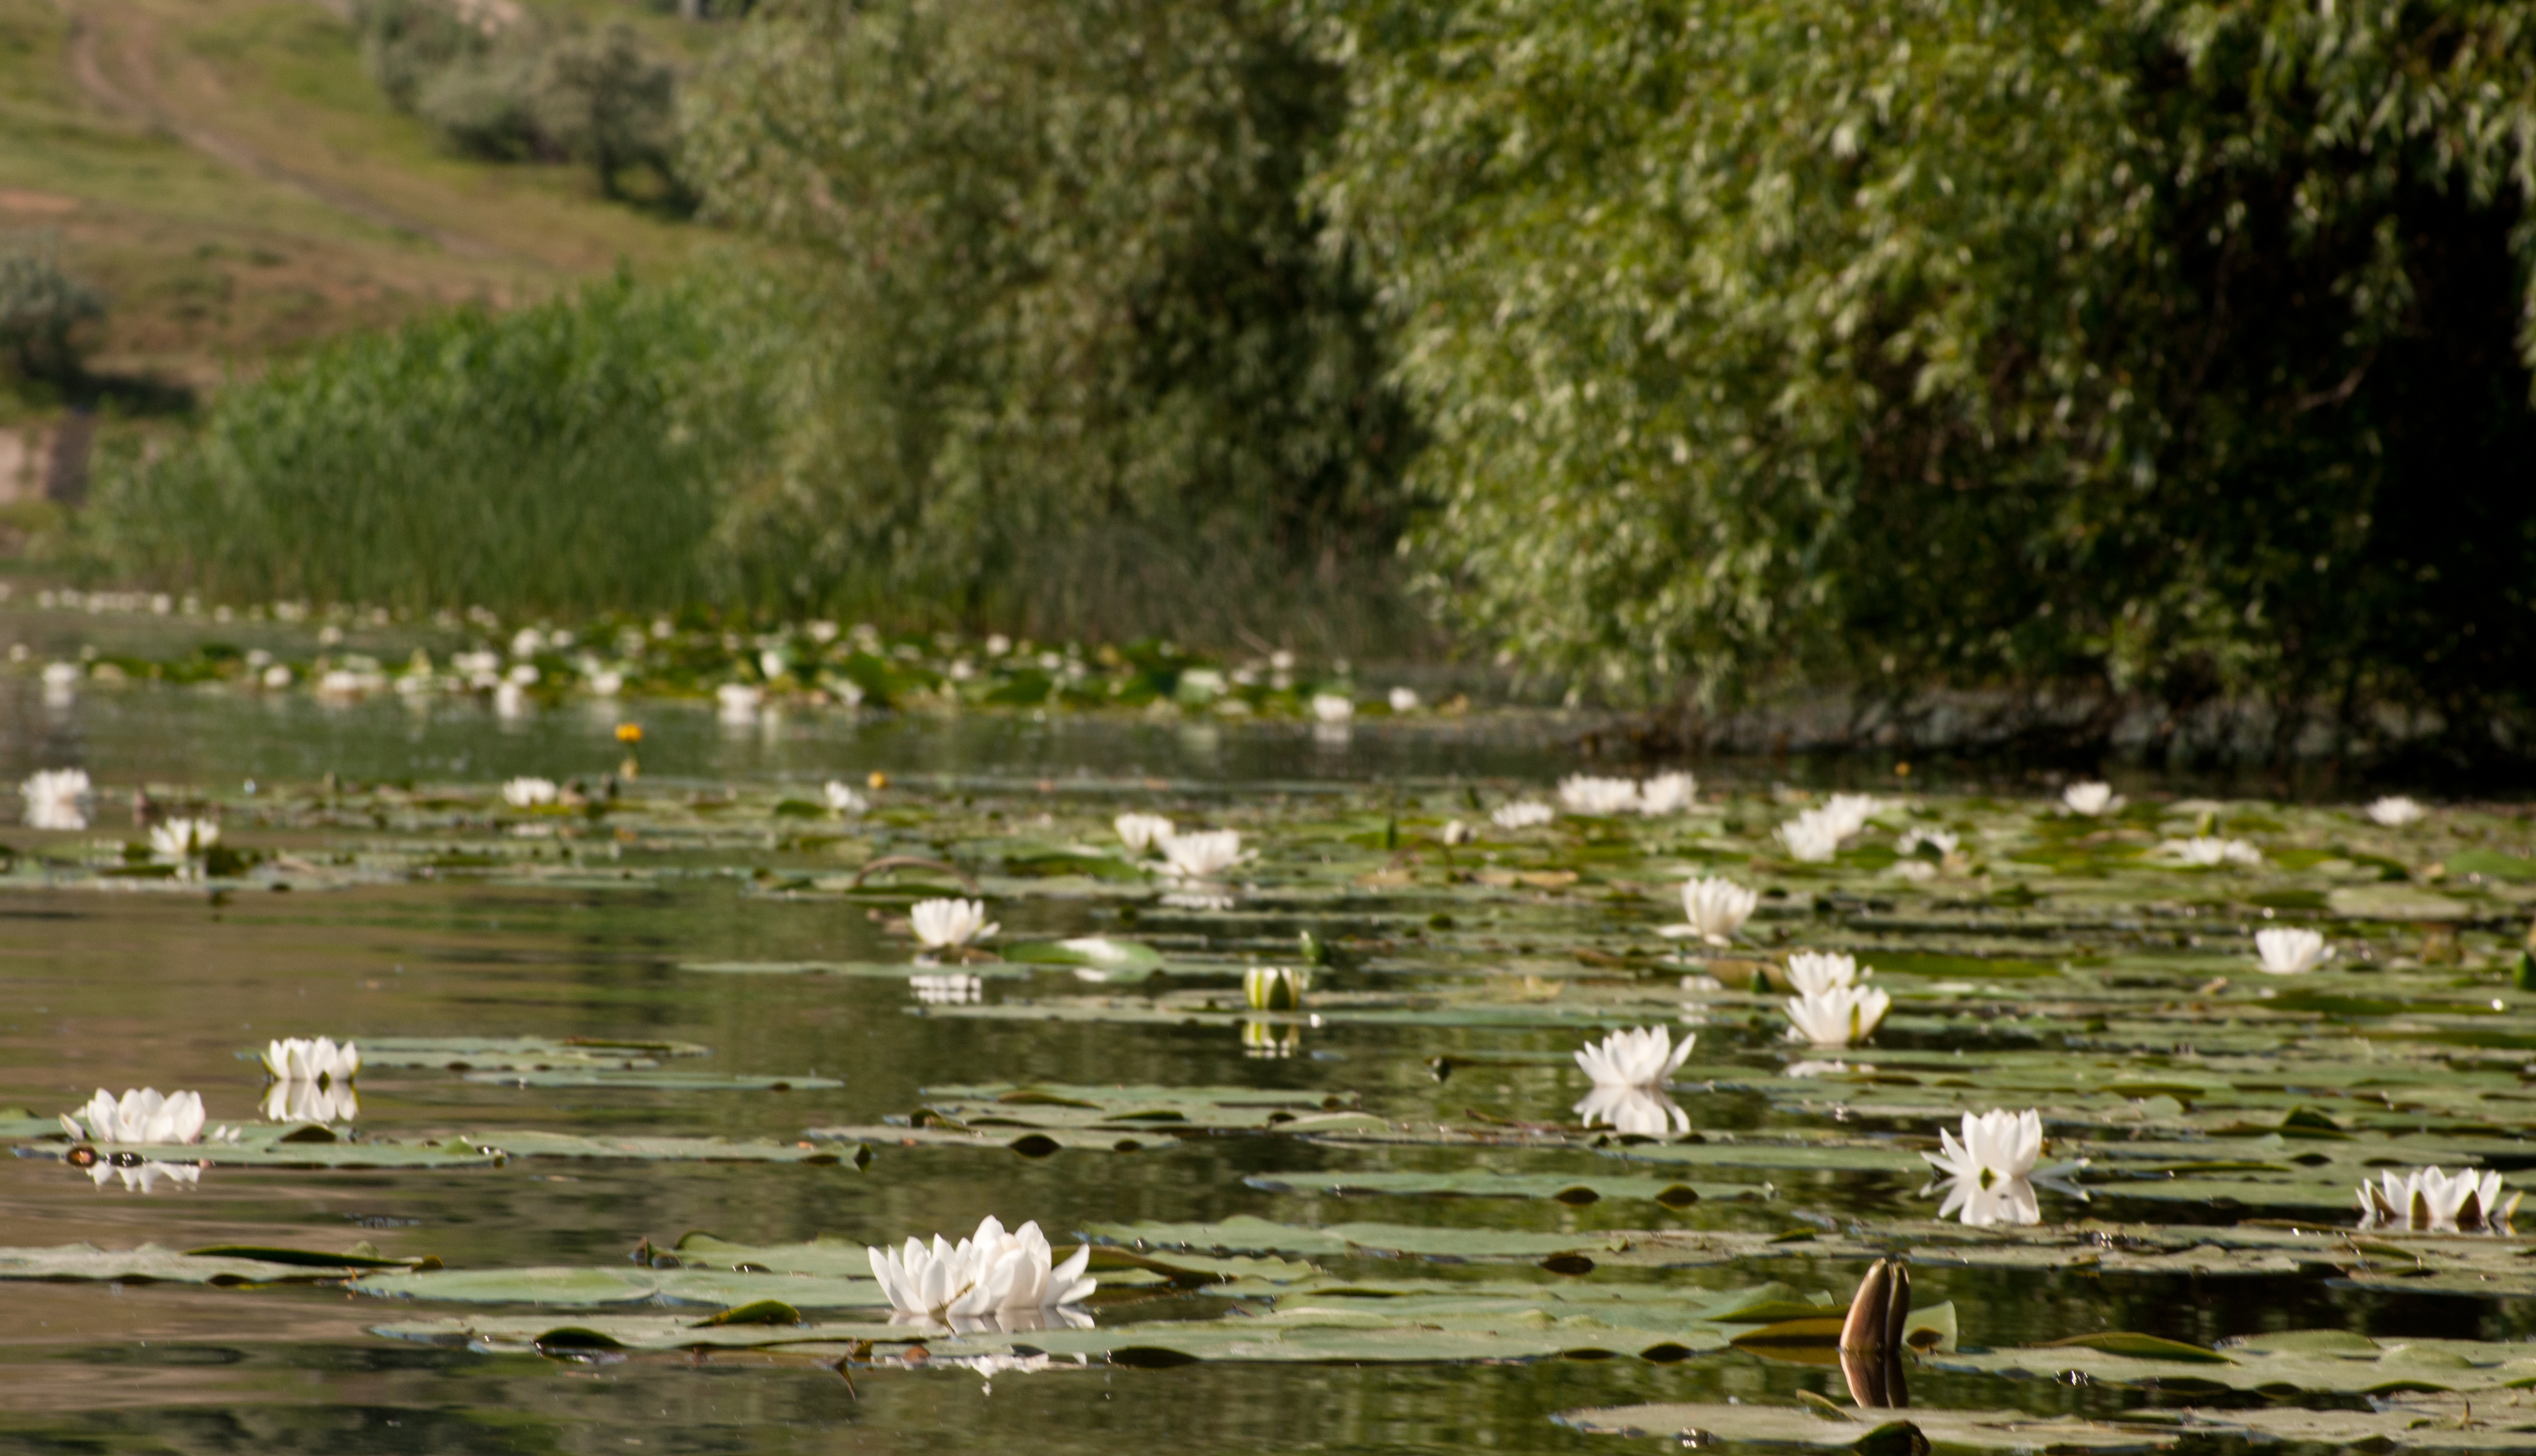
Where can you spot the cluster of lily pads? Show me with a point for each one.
(2315, 1007)
(745, 669)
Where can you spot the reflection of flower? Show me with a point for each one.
(524, 793)
(1641, 1111)
(1989, 1173)
(1643, 1057)
(1141, 831)
(300, 1059)
(1813, 973)
(1667, 793)
(295, 1100)
(179, 839)
(53, 798)
(2090, 799)
(142, 1117)
(1840, 1016)
(2427, 1199)
(143, 1175)
(946, 925)
(1274, 987)
(738, 702)
(2395, 812)
(950, 988)
(986, 1274)
(1584, 794)
(1715, 908)
(1269, 1041)
(1201, 856)
(2291, 952)
(844, 799)
(2207, 851)
(1522, 814)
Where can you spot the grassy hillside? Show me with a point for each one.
(230, 178)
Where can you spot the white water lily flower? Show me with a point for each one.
(1522, 814)
(298, 1101)
(177, 839)
(1944, 841)
(525, 793)
(843, 798)
(54, 798)
(1333, 706)
(2090, 799)
(1142, 832)
(1667, 793)
(1713, 909)
(1989, 1173)
(1275, 987)
(60, 678)
(983, 1275)
(1841, 1016)
(300, 1059)
(947, 925)
(1848, 813)
(142, 1117)
(1641, 1111)
(1643, 1057)
(1404, 700)
(1584, 794)
(1810, 838)
(737, 703)
(2209, 852)
(1813, 973)
(2429, 1200)
(1455, 833)
(2395, 812)
(607, 682)
(1201, 856)
(2291, 952)
(950, 988)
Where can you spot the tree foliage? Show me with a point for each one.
(42, 307)
(2180, 349)
(1078, 329)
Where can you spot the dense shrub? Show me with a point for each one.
(2162, 351)
(1083, 361)
(41, 308)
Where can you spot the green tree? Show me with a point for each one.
(1080, 341)
(2177, 351)
(598, 99)
(41, 308)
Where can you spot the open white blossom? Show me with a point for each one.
(142, 1117)
(1142, 832)
(1641, 1111)
(1848, 813)
(2090, 799)
(2291, 951)
(296, 1100)
(1403, 699)
(2395, 812)
(1667, 793)
(1203, 855)
(1810, 837)
(844, 799)
(178, 838)
(1584, 794)
(300, 1059)
(56, 799)
(1841, 1016)
(2431, 1201)
(1455, 833)
(1989, 1173)
(737, 703)
(1944, 841)
(2207, 851)
(949, 988)
(1813, 973)
(985, 1274)
(947, 925)
(1713, 908)
(1333, 706)
(1275, 987)
(1642, 1056)
(528, 793)
(1524, 813)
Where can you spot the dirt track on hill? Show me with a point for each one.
(138, 98)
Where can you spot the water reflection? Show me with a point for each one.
(948, 989)
(1641, 1112)
(297, 1100)
(1270, 1041)
(144, 1175)
(1986, 1201)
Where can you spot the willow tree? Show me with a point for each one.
(2180, 350)
(1076, 346)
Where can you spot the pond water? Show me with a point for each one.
(709, 963)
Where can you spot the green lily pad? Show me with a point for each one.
(1484, 1183)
